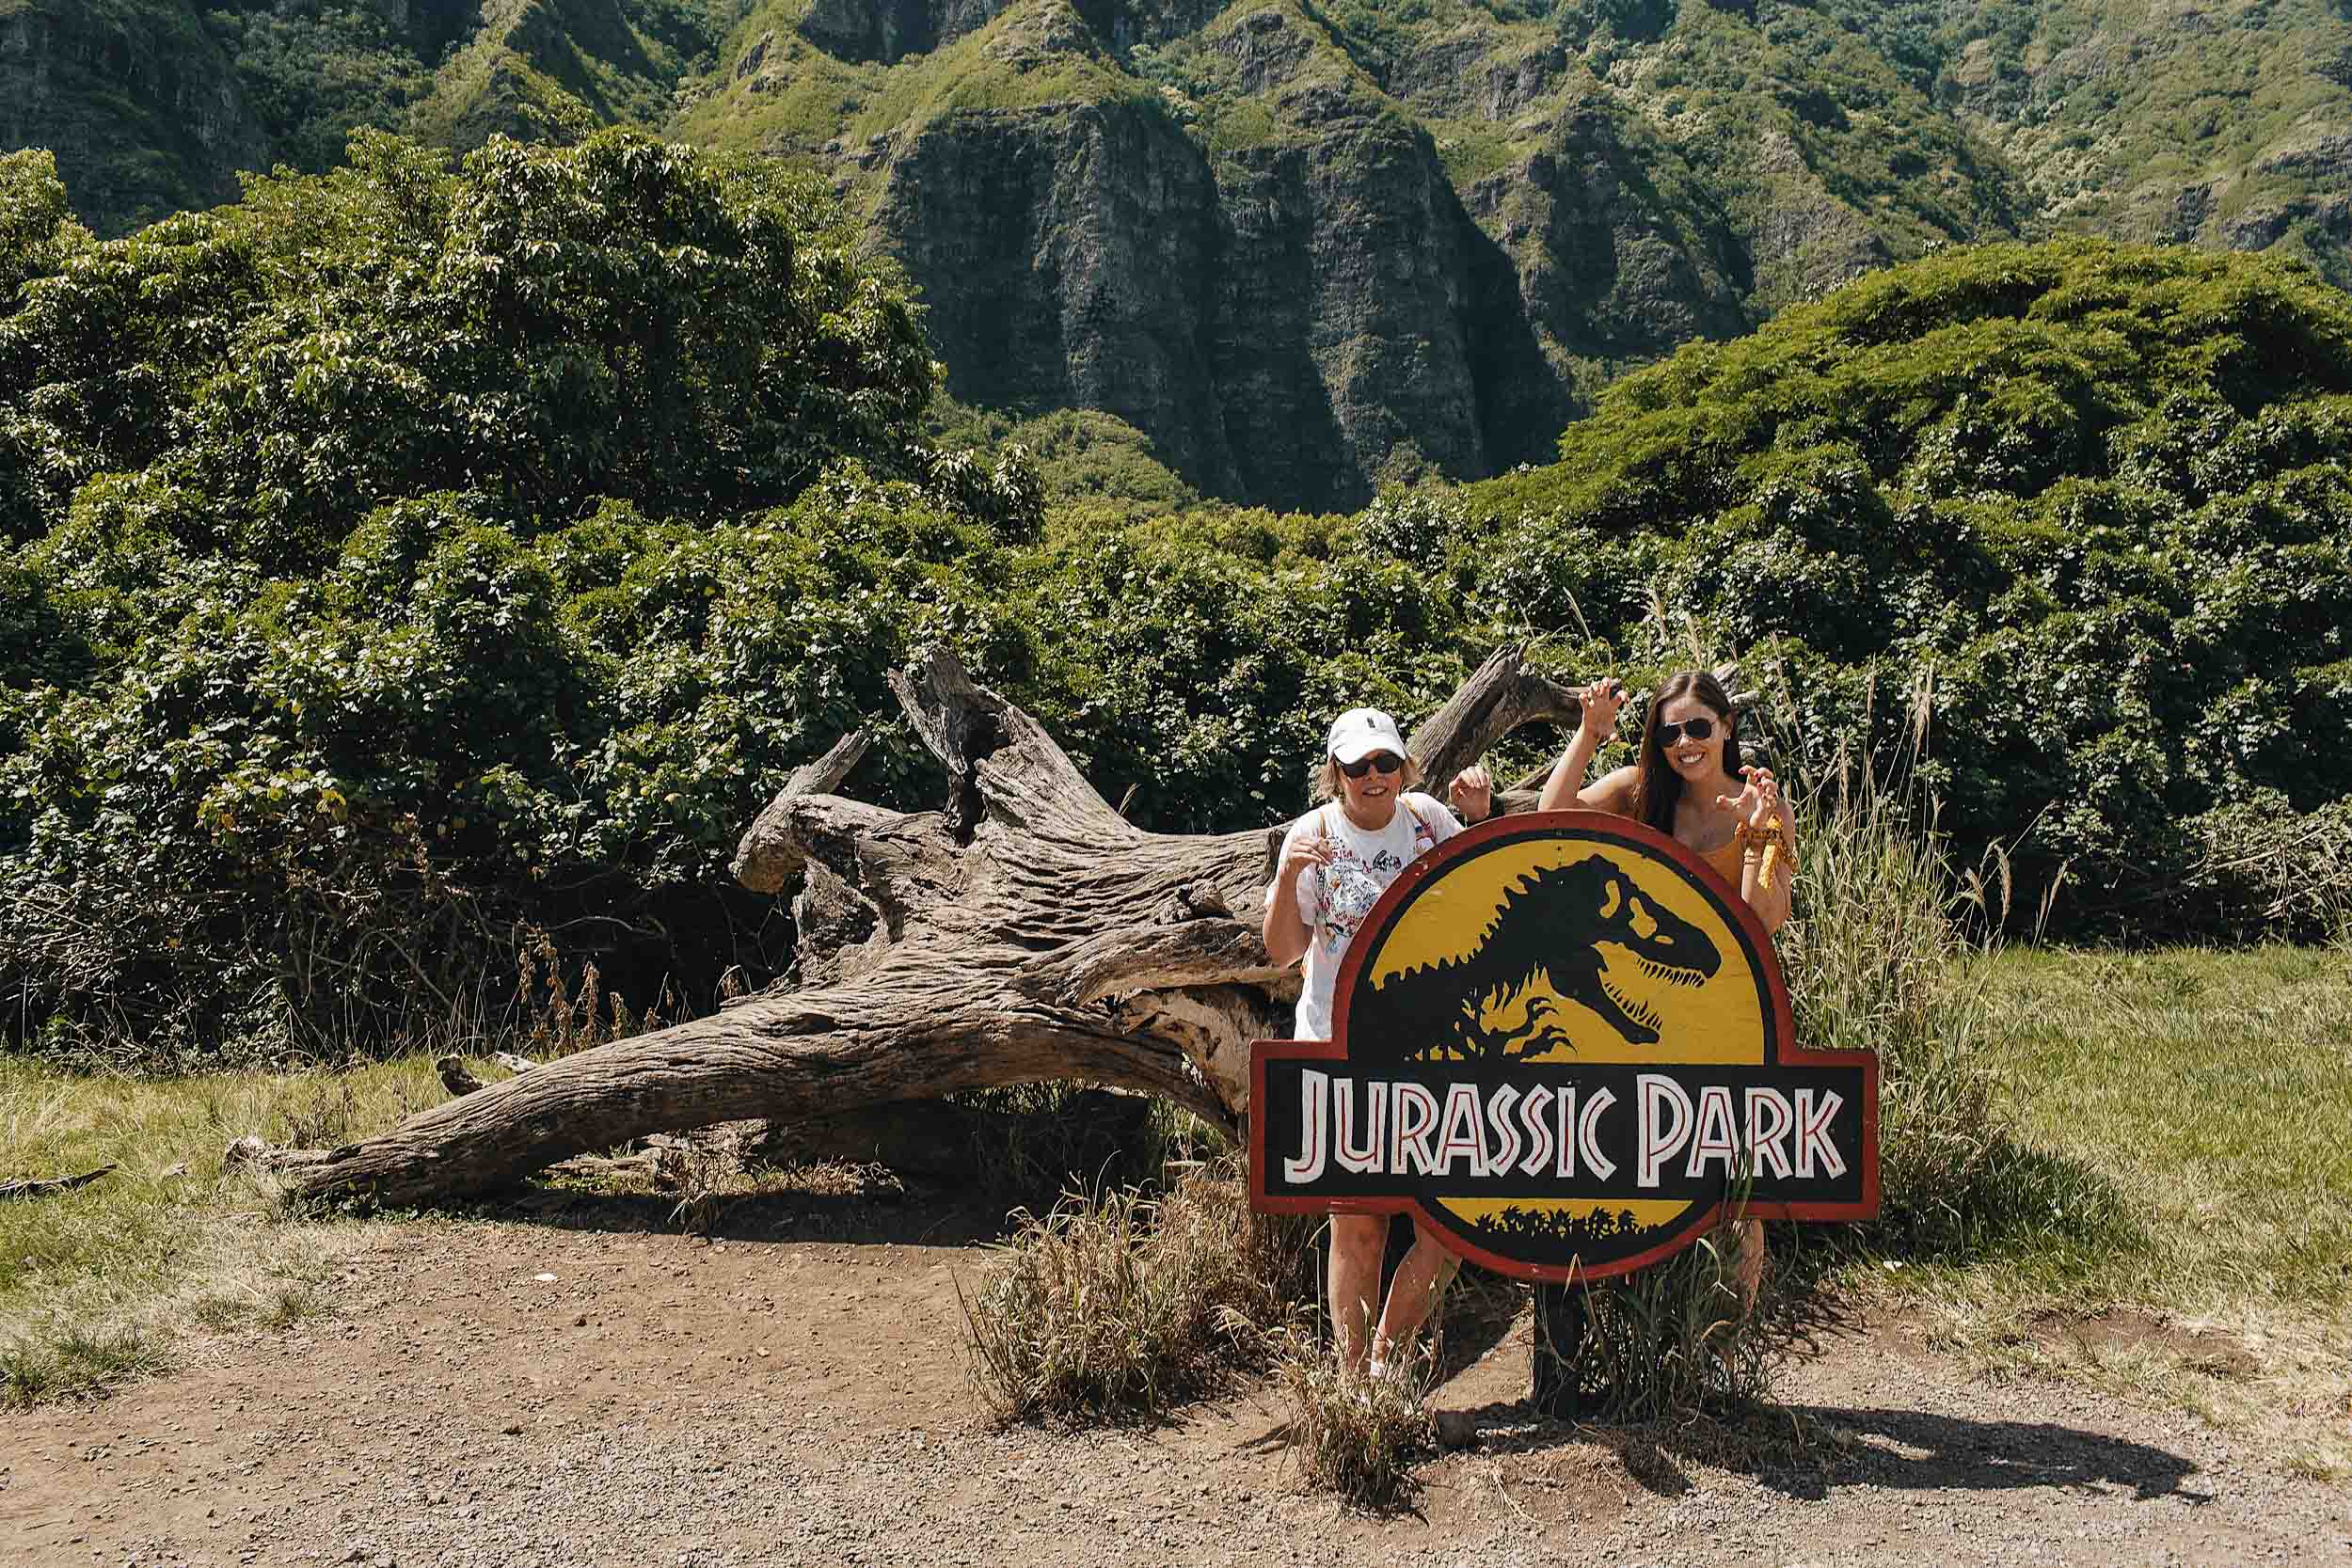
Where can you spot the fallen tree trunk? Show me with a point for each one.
(1024, 932)
(44, 1186)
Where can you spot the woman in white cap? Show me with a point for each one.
(1336, 862)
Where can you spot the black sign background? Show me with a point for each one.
(1543, 1240)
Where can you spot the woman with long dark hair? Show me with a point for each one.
(1690, 783)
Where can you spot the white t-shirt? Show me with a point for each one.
(1333, 899)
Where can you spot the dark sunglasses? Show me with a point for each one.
(1697, 729)
(1379, 762)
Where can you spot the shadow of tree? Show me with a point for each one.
(1921, 1450)
(861, 1218)
(1809, 1451)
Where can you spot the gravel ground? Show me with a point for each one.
(547, 1395)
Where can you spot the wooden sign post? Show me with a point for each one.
(1558, 1040)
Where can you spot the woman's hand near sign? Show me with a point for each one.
(1471, 794)
(1767, 847)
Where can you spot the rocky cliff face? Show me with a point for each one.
(1302, 245)
(1286, 325)
(1308, 249)
(1295, 315)
(141, 107)
(887, 31)
(155, 105)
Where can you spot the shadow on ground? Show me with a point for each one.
(1809, 1451)
(851, 1218)
(1918, 1449)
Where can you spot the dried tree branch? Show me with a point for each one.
(1024, 932)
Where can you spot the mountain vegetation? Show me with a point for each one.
(1302, 248)
(419, 567)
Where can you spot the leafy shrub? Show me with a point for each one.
(2099, 491)
(422, 561)
(549, 327)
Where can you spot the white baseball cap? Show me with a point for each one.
(1361, 731)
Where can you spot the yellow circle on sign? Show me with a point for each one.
(1578, 950)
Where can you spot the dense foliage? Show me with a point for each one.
(2099, 492)
(408, 553)
(412, 562)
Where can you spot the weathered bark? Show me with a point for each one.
(1024, 932)
(457, 1078)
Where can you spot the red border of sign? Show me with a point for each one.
(1786, 1053)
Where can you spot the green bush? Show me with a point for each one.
(2101, 491)
(413, 564)
(416, 560)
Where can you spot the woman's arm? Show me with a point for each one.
(1612, 792)
(1601, 699)
(1287, 931)
(1768, 823)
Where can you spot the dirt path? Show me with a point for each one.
(795, 1394)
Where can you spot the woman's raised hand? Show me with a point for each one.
(1306, 849)
(1471, 794)
(1601, 699)
(1759, 802)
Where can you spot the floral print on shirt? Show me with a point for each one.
(1348, 887)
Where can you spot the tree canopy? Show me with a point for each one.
(418, 565)
(2099, 491)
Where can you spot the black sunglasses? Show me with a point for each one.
(1382, 762)
(1697, 729)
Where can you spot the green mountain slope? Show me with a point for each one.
(560, 70)
(1305, 248)
(1299, 246)
(2222, 124)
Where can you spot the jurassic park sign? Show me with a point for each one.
(1562, 1042)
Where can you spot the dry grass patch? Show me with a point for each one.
(1353, 1434)
(1124, 1303)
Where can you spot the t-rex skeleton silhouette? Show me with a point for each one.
(1553, 924)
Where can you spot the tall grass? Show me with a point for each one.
(1124, 1303)
(1888, 950)
(1674, 1338)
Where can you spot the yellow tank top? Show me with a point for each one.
(1726, 861)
